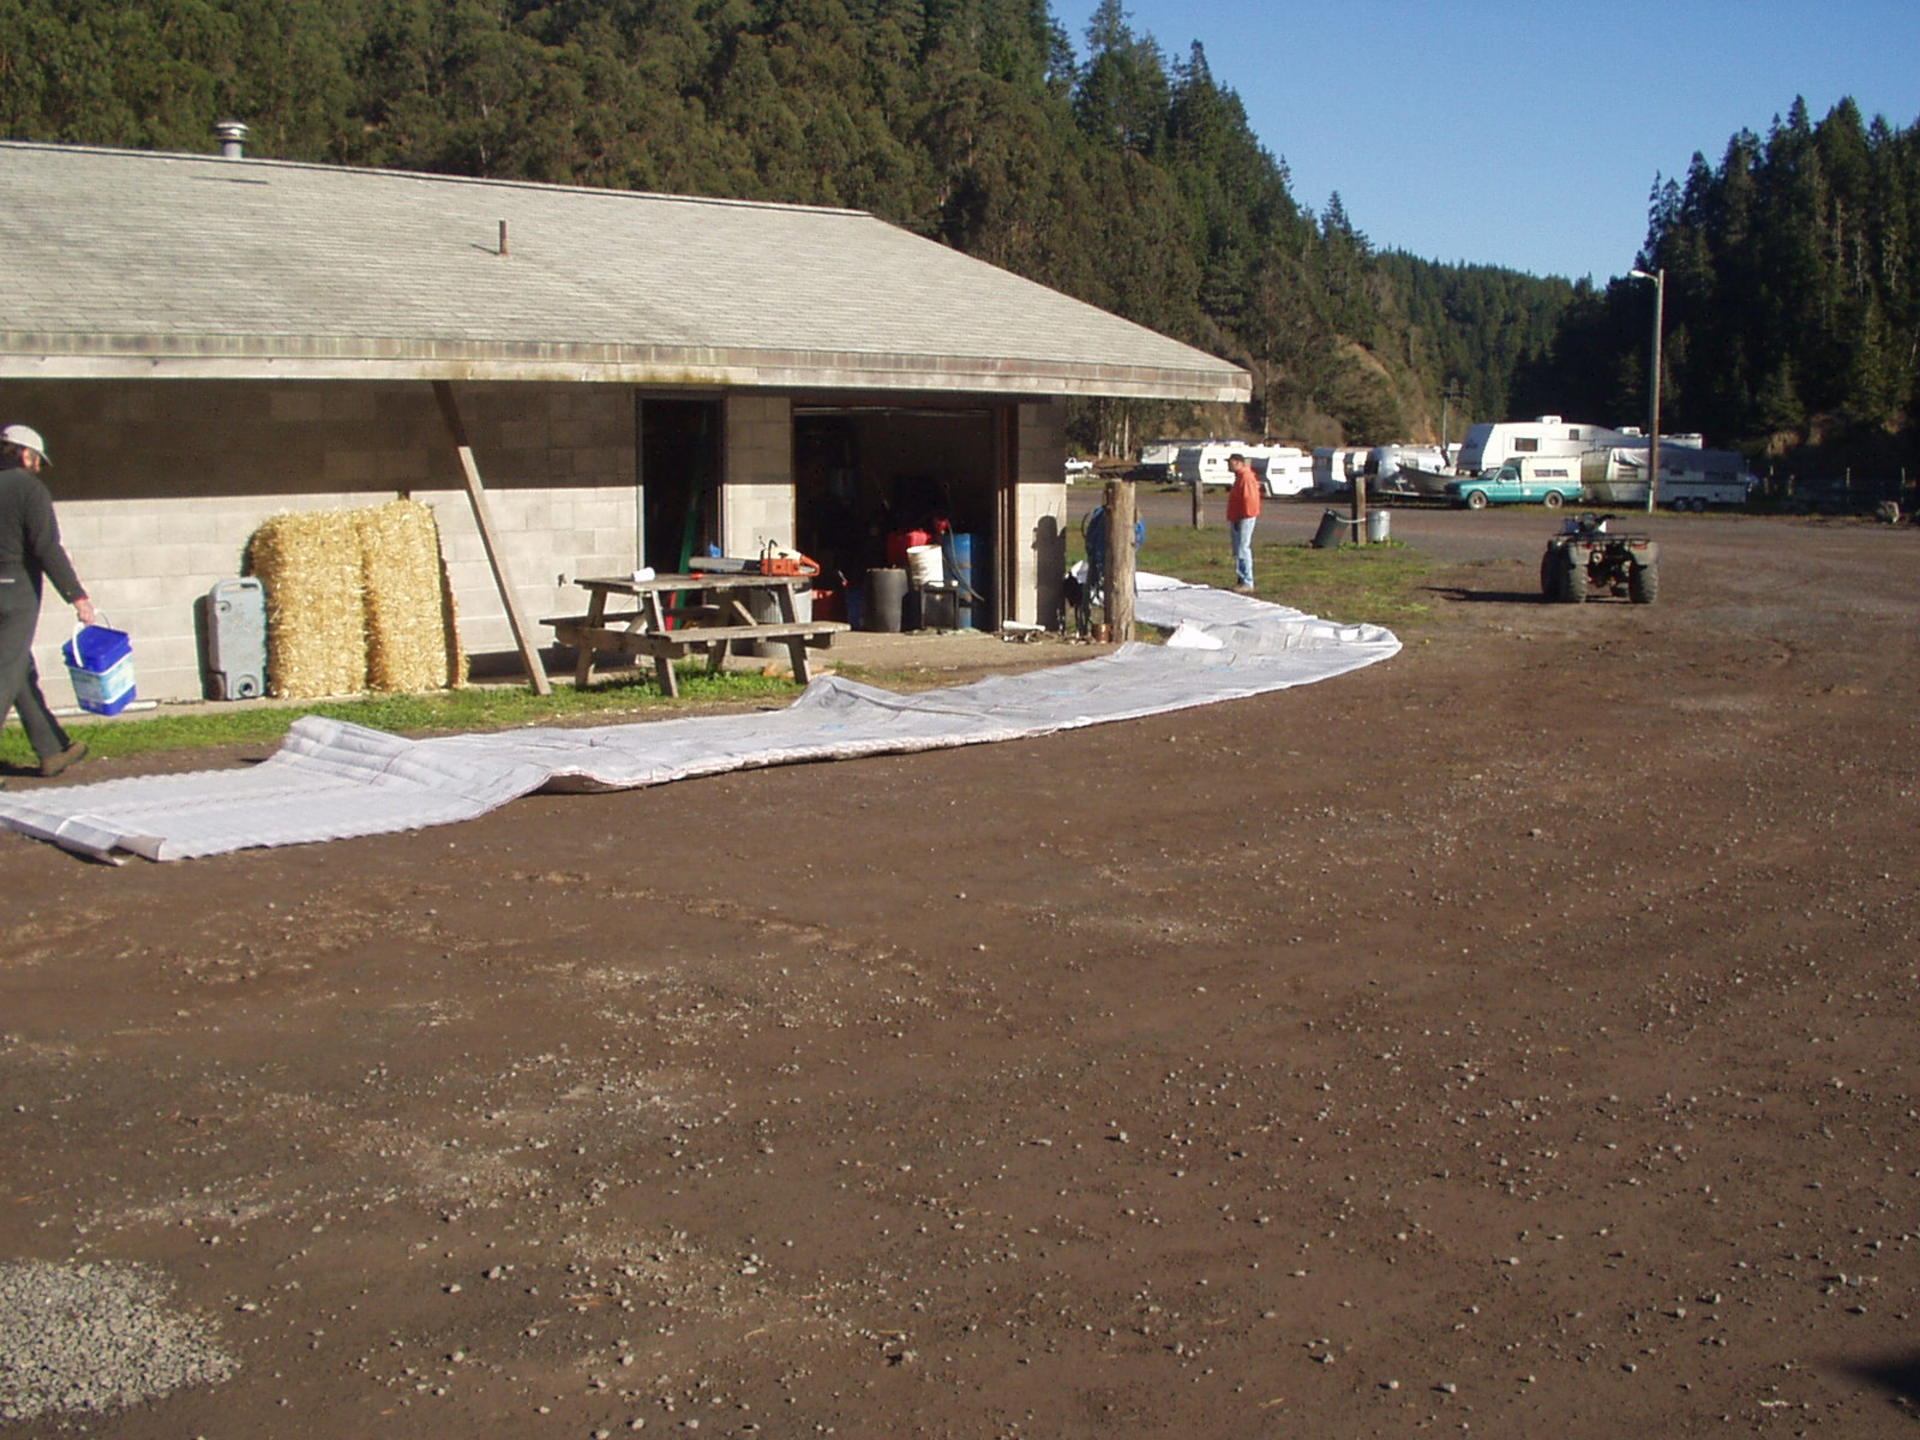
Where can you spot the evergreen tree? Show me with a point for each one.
(1126, 181)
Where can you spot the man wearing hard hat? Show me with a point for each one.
(29, 550)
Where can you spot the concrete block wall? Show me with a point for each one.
(159, 484)
(757, 501)
(1039, 512)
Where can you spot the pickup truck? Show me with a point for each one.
(1523, 480)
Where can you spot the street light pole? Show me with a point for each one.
(1659, 278)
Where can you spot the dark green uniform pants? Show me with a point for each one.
(20, 677)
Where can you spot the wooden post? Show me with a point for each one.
(483, 519)
(1360, 508)
(1120, 525)
(1196, 504)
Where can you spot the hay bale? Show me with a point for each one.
(310, 566)
(411, 644)
(356, 599)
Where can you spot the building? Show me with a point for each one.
(207, 340)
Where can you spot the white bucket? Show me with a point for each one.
(924, 565)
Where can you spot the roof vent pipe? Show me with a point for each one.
(233, 139)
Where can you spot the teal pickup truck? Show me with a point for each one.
(1523, 480)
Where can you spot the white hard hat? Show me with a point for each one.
(27, 436)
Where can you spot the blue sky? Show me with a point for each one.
(1519, 132)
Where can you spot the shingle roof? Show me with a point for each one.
(125, 262)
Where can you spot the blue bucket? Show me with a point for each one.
(100, 664)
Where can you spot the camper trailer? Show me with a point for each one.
(1490, 445)
(1157, 460)
(1691, 477)
(1283, 469)
(1336, 467)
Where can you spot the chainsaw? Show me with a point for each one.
(775, 560)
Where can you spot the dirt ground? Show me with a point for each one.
(1516, 1037)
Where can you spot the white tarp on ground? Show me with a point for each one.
(331, 780)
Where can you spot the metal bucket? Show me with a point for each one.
(1379, 526)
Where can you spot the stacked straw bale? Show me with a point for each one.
(356, 599)
(316, 606)
(409, 605)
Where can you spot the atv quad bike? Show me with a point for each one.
(1589, 557)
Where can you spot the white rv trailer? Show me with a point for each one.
(1336, 466)
(1158, 458)
(1283, 469)
(1691, 477)
(1491, 444)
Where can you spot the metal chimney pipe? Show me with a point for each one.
(233, 139)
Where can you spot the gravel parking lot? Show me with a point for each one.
(1514, 1038)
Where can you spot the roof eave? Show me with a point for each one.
(40, 356)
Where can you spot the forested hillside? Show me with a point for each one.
(1792, 299)
(1111, 170)
(1130, 180)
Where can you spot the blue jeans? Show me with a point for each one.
(1242, 532)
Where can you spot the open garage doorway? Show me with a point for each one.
(871, 479)
(679, 477)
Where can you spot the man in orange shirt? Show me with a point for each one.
(1243, 508)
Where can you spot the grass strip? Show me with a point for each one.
(476, 708)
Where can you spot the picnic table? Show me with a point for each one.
(677, 614)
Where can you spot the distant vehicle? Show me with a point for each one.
(1283, 469)
(1157, 459)
(1490, 445)
(1205, 461)
(1078, 469)
(1689, 490)
(1691, 477)
(1334, 467)
(1528, 480)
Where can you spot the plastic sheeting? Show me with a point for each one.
(331, 780)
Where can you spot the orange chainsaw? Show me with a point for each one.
(777, 561)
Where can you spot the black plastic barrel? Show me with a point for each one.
(886, 595)
(1333, 530)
